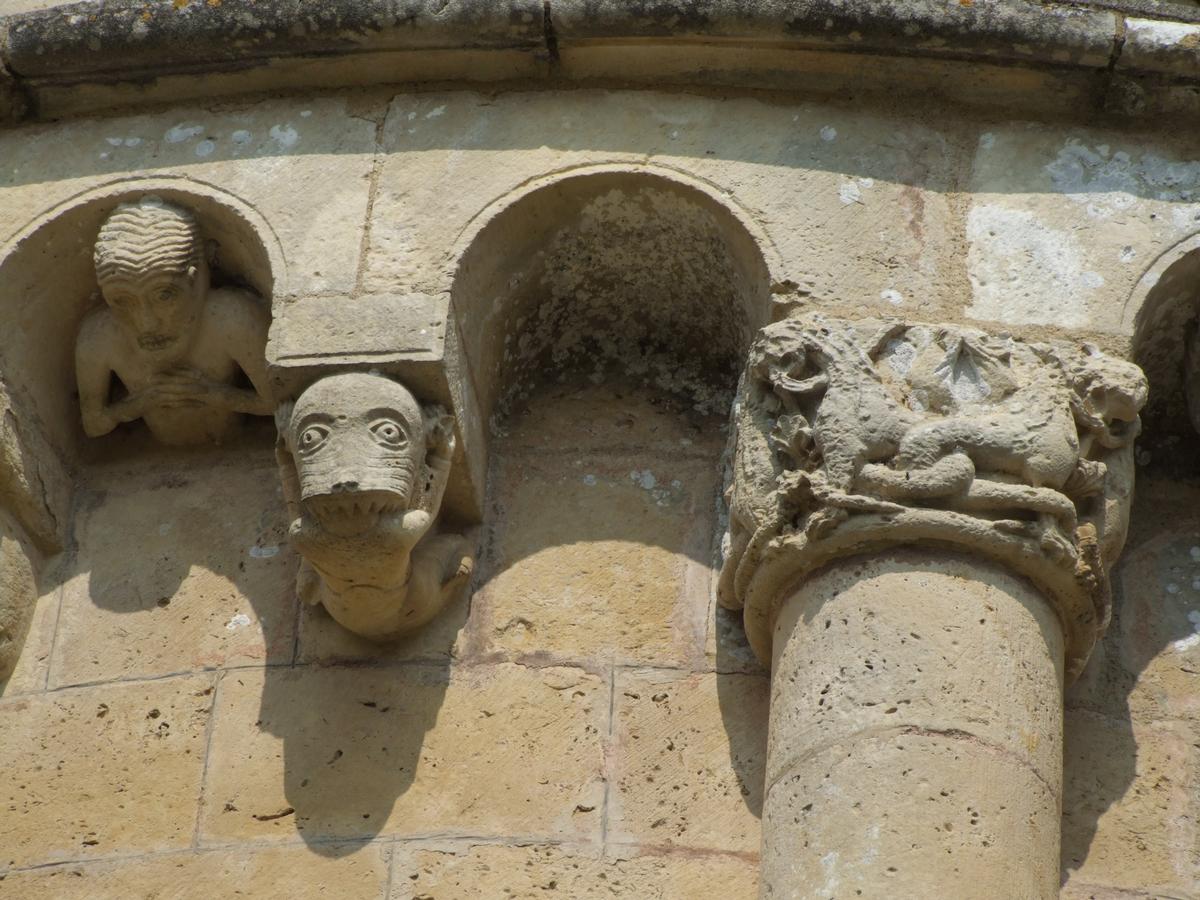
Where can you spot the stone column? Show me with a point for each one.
(922, 519)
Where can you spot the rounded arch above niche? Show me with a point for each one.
(621, 265)
(1161, 316)
(47, 284)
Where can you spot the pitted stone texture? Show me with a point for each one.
(448, 151)
(267, 154)
(489, 750)
(180, 347)
(1131, 805)
(1159, 637)
(904, 642)
(911, 815)
(322, 640)
(364, 468)
(177, 572)
(688, 758)
(19, 564)
(467, 873)
(349, 872)
(907, 689)
(1036, 190)
(598, 558)
(32, 666)
(853, 435)
(102, 771)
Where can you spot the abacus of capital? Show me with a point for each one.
(922, 523)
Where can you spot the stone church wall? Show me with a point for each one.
(584, 721)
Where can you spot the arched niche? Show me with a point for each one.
(47, 284)
(1163, 314)
(632, 269)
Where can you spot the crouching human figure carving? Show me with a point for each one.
(364, 467)
(167, 347)
(859, 435)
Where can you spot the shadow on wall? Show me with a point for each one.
(606, 317)
(616, 278)
(1128, 756)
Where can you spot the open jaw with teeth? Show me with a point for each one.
(354, 512)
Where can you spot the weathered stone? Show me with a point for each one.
(174, 575)
(89, 38)
(598, 559)
(240, 168)
(883, 734)
(352, 872)
(19, 564)
(1151, 45)
(102, 771)
(1035, 191)
(925, 815)
(688, 757)
(1130, 806)
(1001, 31)
(178, 346)
(364, 468)
(31, 668)
(856, 435)
(413, 751)
(466, 872)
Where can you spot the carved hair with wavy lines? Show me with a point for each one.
(148, 234)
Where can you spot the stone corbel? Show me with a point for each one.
(364, 469)
(852, 436)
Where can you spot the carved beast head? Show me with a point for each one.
(359, 442)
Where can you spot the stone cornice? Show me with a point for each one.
(852, 437)
(140, 44)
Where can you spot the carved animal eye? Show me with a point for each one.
(313, 437)
(388, 432)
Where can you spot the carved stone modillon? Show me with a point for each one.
(854, 436)
(364, 467)
(167, 347)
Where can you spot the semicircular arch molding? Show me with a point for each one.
(634, 267)
(47, 284)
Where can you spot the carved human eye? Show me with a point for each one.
(165, 295)
(388, 432)
(313, 437)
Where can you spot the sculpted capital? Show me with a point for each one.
(852, 436)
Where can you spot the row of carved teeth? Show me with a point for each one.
(361, 507)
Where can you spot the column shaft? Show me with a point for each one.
(915, 733)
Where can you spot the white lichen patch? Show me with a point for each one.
(284, 135)
(1108, 182)
(177, 134)
(1024, 272)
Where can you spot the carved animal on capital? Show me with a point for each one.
(812, 412)
(364, 468)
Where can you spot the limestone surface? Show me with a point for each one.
(364, 469)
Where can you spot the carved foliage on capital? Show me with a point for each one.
(364, 468)
(857, 435)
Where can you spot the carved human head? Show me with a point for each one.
(150, 265)
(359, 442)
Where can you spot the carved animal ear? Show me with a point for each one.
(439, 429)
(283, 422)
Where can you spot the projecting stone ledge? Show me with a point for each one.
(131, 52)
(853, 437)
